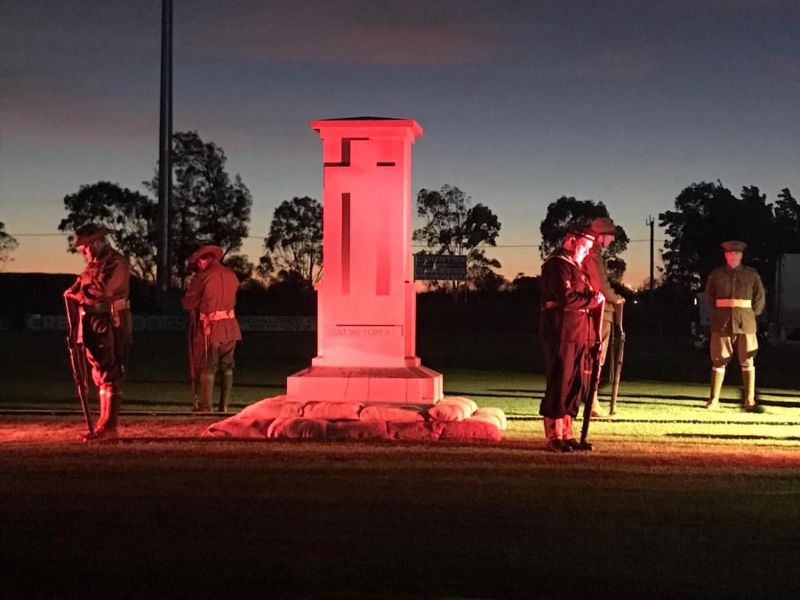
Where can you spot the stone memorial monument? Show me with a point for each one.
(366, 304)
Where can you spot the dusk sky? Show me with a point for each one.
(621, 101)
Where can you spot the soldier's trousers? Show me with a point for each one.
(567, 377)
(107, 347)
(721, 348)
(217, 356)
(605, 339)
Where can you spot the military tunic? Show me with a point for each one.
(212, 293)
(736, 297)
(595, 266)
(566, 334)
(102, 289)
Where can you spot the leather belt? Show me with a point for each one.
(733, 303)
(552, 304)
(104, 308)
(217, 315)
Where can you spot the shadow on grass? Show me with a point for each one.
(733, 436)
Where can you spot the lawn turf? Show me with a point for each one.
(675, 502)
(208, 519)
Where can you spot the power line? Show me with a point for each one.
(259, 237)
(39, 234)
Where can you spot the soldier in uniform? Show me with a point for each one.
(211, 296)
(736, 295)
(105, 321)
(595, 265)
(566, 335)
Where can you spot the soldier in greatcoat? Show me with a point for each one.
(736, 296)
(211, 299)
(105, 325)
(566, 335)
(595, 266)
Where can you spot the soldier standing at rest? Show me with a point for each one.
(566, 335)
(595, 265)
(736, 296)
(212, 296)
(105, 321)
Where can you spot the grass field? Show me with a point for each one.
(675, 502)
(190, 519)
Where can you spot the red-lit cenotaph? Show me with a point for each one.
(366, 304)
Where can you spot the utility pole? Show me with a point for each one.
(164, 269)
(651, 223)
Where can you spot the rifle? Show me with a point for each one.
(594, 380)
(77, 358)
(190, 332)
(619, 352)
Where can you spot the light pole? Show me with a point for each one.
(165, 154)
(651, 223)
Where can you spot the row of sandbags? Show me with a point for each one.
(453, 418)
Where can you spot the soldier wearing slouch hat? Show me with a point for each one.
(596, 268)
(211, 298)
(105, 326)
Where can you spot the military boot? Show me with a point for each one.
(106, 426)
(102, 392)
(195, 384)
(597, 410)
(568, 437)
(749, 389)
(717, 377)
(100, 424)
(226, 385)
(114, 396)
(206, 392)
(552, 442)
(553, 433)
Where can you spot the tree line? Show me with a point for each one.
(211, 207)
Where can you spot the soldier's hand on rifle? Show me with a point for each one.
(599, 297)
(620, 300)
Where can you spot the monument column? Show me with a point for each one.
(366, 307)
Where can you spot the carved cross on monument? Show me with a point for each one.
(366, 306)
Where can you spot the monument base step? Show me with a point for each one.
(385, 385)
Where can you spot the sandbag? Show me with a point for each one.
(357, 430)
(471, 429)
(418, 431)
(448, 411)
(271, 408)
(332, 411)
(298, 429)
(239, 427)
(398, 414)
(493, 415)
(470, 406)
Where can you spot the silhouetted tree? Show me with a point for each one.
(294, 243)
(787, 219)
(453, 227)
(703, 217)
(239, 264)
(208, 208)
(567, 211)
(8, 243)
(127, 213)
(707, 214)
(483, 279)
(523, 282)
